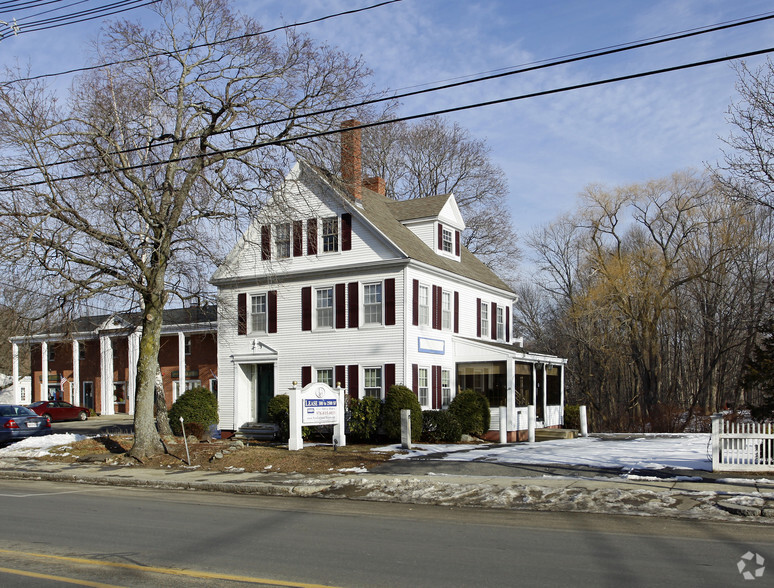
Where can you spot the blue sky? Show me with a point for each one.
(549, 147)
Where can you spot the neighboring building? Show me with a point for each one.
(337, 283)
(93, 362)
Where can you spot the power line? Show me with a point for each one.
(530, 67)
(276, 142)
(202, 45)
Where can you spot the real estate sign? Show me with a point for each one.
(316, 404)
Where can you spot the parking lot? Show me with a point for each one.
(97, 425)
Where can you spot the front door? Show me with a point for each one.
(88, 394)
(263, 386)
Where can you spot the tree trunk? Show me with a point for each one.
(147, 442)
(162, 418)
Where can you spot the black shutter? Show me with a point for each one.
(440, 237)
(389, 376)
(311, 236)
(272, 308)
(340, 376)
(266, 242)
(415, 295)
(298, 238)
(353, 387)
(389, 302)
(478, 317)
(306, 308)
(457, 243)
(354, 305)
(507, 323)
(306, 375)
(415, 378)
(346, 232)
(242, 314)
(493, 321)
(340, 306)
(456, 312)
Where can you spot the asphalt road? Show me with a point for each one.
(97, 425)
(138, 537)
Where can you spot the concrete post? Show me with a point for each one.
(405, 428)
(584, 424)
(339, 436)
(717, 431)
(295, 442)
(503, 424)
(531, 423)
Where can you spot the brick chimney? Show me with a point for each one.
(351, 158)
(376, 185)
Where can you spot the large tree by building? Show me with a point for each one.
(126, 188)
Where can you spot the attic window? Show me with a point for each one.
(330, 234)
(447, 241)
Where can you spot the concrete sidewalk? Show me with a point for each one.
(449, 484)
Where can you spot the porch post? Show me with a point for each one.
(545, 395)
(133, 351)
(534, 385)
(16, 391)
(181, 362)
(75, 385)
(510, 394)
(106, 375)
(43, 371)
(561, 392)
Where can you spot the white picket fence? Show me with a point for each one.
(742, 446)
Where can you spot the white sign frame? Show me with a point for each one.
(315, 405)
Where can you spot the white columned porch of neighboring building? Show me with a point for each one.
(44, 370)
(534, 385)
(106, 374)
(15, 374)
(75, 385)
(561, 390)
(180, 363)
(133, 346)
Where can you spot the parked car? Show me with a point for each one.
(19, 422)
(56, 410)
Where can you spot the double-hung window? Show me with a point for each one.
(258, 313)
(446, 311)
(423, 388)
(484, 319)
(325, 376)
(447, 240)
(372, 304)
(424, 305)
(282, 240)
(445, 388)
(324, 307)
(372, 380)
(330, 234)
(187, 344)
(500, 323)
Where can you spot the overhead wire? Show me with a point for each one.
(543, 64)
(275, 142)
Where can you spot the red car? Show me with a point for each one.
(56, 410)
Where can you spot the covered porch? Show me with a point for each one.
(512, 377)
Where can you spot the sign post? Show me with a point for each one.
(314, 405)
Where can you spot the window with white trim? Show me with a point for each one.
(372, 382)
(258, 313)
(187, 344)
(372, 304)
(484, 319)
(325, 376)
(330, 234)
(424, 305)
(423, 390)
(324, 307)
(447, 240)
(445, 388)
(501, 323)
(188, 385)
(282, 240)
(446, 311)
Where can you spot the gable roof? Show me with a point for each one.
(386, 214)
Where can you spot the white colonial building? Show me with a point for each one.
(337, 283)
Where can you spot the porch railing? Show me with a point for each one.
(553, 418)
(742, 446)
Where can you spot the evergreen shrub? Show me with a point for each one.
(400, 398)
(278, 411)
(365, 414)
(199, 409)
(471, 410)
(571, 416)
(440, 426)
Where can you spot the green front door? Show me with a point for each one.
(264, 390)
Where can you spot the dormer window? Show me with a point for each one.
(447, 240)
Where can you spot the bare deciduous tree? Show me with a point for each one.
(128, 188)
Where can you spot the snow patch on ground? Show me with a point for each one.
(39, 446)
